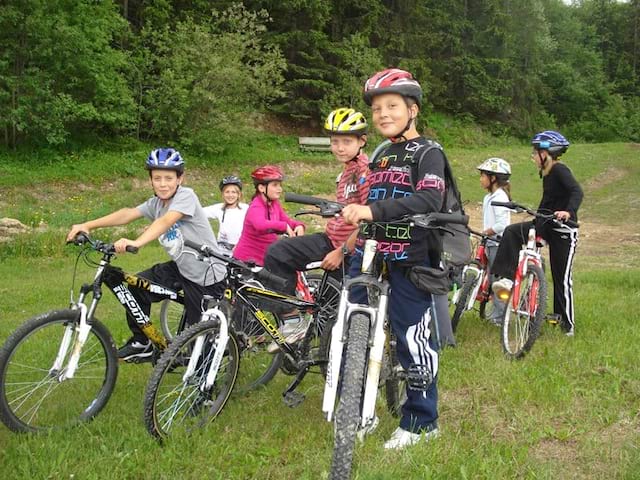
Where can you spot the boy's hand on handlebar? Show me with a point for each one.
(562, 215)
(122, 244)
(354, 213)
(332, 260)
(75, 230)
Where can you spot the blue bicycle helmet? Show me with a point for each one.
(230, 180)
(552, 141)
(165, 159)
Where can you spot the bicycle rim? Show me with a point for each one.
(521, 325)
(171, 318)
(348, 413)
(173, 404)
(33, 397)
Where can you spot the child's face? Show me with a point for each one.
(231, 194)
(538, 157)
(272, 190)
(485, 180)
(391, 114)
(165, 183)
(346, 147)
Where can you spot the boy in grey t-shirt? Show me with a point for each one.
(176, 216)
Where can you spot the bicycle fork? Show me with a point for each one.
(220, 344)
(374, 363)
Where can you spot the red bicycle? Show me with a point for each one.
(527, 300)
(476, 284)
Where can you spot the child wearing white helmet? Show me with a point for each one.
(494, 177)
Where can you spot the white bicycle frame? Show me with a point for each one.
(377, 316)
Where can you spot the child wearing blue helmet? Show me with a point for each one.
(562, 196)
(176, 216)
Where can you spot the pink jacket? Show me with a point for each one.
(262, 224)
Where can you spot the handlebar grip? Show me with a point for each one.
(131, 249)
(509, 205)
(272, 279)
(303, 199)
(449, 218)
(571, 223)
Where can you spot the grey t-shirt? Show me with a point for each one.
(193, 226)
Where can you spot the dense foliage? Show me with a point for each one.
(195, 72)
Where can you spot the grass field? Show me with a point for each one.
(568, 410)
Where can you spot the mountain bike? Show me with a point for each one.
(184, 369)
(357, 350)
(60, 367)
(476, 284)
(527, 301)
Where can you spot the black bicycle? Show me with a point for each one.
(60, 367)
(245, 317)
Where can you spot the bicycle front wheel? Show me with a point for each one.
(468, 284)
(522, 323)
(172, 317)
(34, 391)
(173, 402)
(348, 412)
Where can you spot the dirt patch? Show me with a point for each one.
(10, 227)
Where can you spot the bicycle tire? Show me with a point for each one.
(173, 403)
(32, 398)
(521, 327)
(348, 412)
(395, 385)
(325, 317)
(258, 366)
(171, 318)
(467, 287)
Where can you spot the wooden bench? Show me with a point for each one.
(314, 144)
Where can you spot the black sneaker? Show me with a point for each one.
(134, 351)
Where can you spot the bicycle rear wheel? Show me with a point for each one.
(173, 403)
(34, 396)
(258, 365)
(468, 283)
(521, 325)
(395, 384)
(172, 314)
(348, 413)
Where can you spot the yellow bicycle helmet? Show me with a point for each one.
(345, 121)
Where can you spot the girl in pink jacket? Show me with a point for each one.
(265, 219)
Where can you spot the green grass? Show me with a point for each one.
(568, 410)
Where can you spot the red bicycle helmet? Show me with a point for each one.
(266, 174)
(392, 80)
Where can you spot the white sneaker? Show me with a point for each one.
(502, 288)
(402, 438)
(292, 331)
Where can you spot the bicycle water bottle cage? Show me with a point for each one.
(419, 377)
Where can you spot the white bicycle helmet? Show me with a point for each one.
(495, 166)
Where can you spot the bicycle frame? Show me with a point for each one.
(529, 255)
(377, 289)
(116, 280)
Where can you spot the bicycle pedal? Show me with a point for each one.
(293, 399)
(552, 318)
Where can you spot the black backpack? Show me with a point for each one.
(456, 249)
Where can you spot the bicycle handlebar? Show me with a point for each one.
(103, 247)
(326, 208)
(264, 275)
(548, 216)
